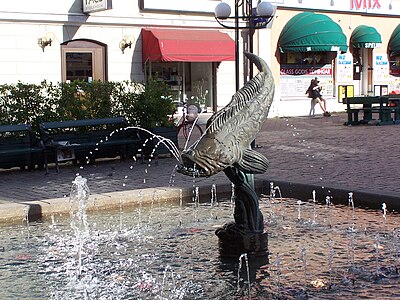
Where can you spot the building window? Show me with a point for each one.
(394, 61)
(83, 60)
(307, 58)
(190, 82)
(79, 66)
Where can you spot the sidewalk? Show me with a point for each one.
(305, 153)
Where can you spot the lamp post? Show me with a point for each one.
(251, 18)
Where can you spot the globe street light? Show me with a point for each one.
(251, 18)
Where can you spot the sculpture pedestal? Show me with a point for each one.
(233, 242)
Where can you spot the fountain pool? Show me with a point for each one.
(168, 250)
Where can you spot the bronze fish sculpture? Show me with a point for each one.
(230, 131)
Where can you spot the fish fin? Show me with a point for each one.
(252, 162)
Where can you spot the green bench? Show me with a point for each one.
(369, 106)
(84, 141)
(19, 147)
(393, 101)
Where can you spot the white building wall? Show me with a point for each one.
(23, 22)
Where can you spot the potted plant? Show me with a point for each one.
(153, 110)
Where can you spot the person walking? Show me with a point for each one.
(314, 92)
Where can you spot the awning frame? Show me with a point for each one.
(311, 32)
(364, 36)
(173, 45)
(394, 42)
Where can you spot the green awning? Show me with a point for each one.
(309, 31)
(394, 41)
(365, 37)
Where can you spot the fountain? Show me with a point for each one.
(167, 250)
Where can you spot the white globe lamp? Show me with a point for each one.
(265, 9)
(222, 10)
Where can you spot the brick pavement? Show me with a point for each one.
(316, 152)
(322, 151)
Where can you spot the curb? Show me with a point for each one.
(44, 209)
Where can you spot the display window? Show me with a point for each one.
(189, 82)
(394, 64)
(307, 58)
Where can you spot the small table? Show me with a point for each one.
(394, 102)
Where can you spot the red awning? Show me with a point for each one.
(162, 45)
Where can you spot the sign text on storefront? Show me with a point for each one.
(306, 71)
(96, 5)
(364, 4)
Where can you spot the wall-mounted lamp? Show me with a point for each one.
(45, 41)
(332, 3)
(126, 42)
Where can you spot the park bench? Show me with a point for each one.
(84, 141)
(19, 147)
(387, 114)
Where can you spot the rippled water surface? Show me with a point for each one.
(169, 251)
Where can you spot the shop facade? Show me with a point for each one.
(180, 42)
(351, 46)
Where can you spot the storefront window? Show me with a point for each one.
(307, 58)
(175, 74)
(298, 68)
(189, 82)
(394, 62)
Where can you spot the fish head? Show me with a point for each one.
(203, 160)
